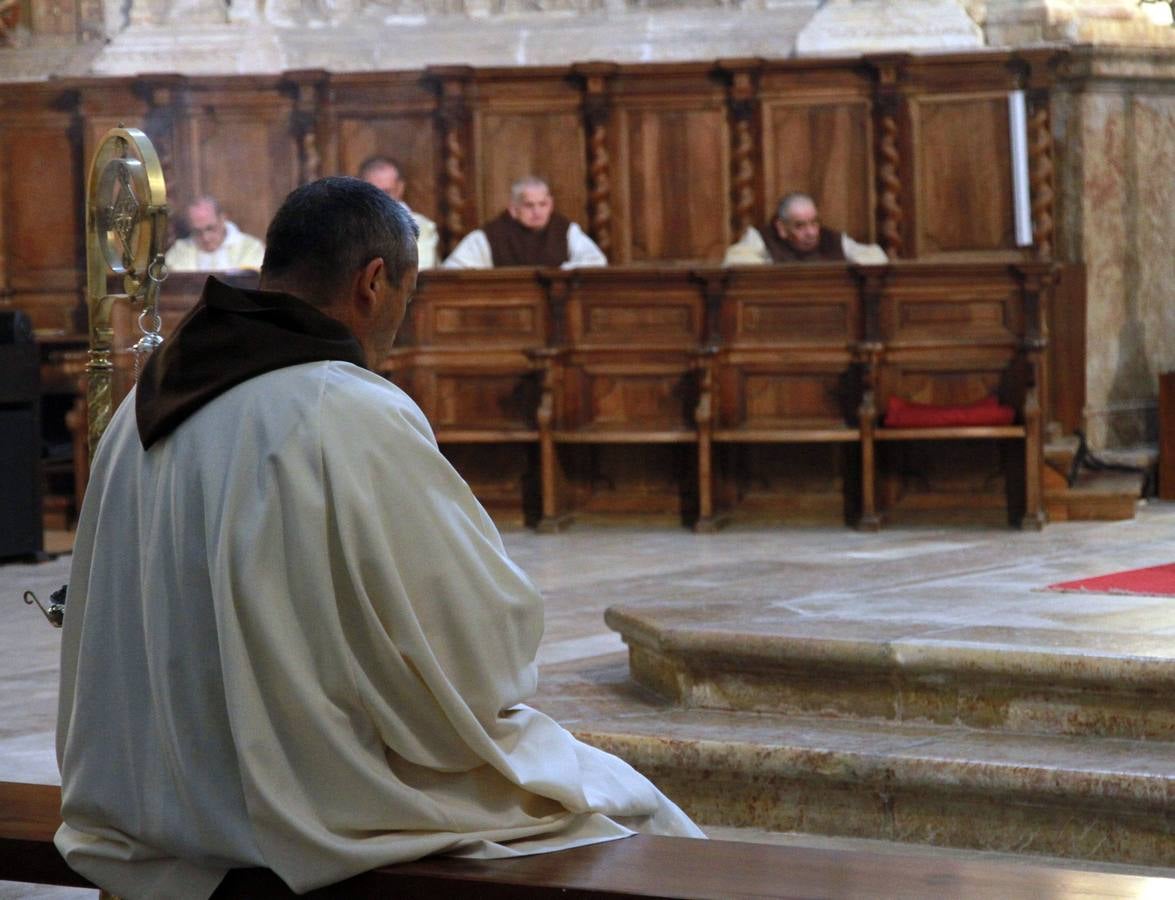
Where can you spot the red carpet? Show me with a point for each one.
(1156, 581)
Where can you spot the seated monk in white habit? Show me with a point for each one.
(294, 644)
(527, 233)
(215, 244)
(796, 235)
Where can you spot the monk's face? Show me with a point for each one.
(533, 207)
(207, 226)
(388, 180)
(388, 314)
(801, 226)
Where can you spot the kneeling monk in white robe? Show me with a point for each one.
(293, 639)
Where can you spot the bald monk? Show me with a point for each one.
(796, 235)
(384, 173)
(527, 233)
(215, 244)
(294, 645)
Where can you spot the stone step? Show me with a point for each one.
(1096, 496)
(1097, 800)
(756, 656)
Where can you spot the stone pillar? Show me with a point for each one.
(1115, 111)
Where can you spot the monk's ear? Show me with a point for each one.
(367, 283)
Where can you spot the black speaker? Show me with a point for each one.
(15, 327)
(21, 527)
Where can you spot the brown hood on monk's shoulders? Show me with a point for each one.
(231, 335)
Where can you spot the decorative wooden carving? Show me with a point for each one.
(167, 101)
(704, 418)
(1040, 162)
(742, 84)
(889, 204)
(652, 160)
(453, 117)
(887, 107)
(597, 112)
(306, 89)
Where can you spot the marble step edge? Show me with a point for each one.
(1033, 810)
(915, 655)
(881, 847)
(1022, 769)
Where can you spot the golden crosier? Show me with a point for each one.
(126, 225)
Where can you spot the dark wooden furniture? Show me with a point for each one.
(639, 866)
(782, 368)
(463, 356)
(939, 345)
(1167, 436)
(660, 163)
(20, 451)
(695, 393)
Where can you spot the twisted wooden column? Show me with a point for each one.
(742, 87)
(166, 123)
(1040, 179)
(450, 84)
(887, 107)
(889, 204)
(306, 90)
(597, 113)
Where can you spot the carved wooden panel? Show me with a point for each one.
(797, 323)
(783, 306)
(243, 153)
(789, 398)
(632, 395)
(968, 315)
(636, 309)
(409, 138)
(473, 310)
(964, 175)
(472, 321)
(479, 398)
(678, 184)
(946, 385)
(41, 218)
(823, 149)
(548, 144)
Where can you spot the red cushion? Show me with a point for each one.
(902, 413)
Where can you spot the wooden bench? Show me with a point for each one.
(697, 392)
(463, 356)
(641, 866)
(783, 370)
(940, 344)
(619, 386)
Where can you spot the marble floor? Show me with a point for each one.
(981, 581)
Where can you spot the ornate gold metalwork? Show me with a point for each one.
(126, 225)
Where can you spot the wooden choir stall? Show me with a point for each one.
(664, 386)
(698, 394)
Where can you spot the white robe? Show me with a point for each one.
(293, 639)
(474, 251)
(237, 251)
(752, 250)
(426, 241)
